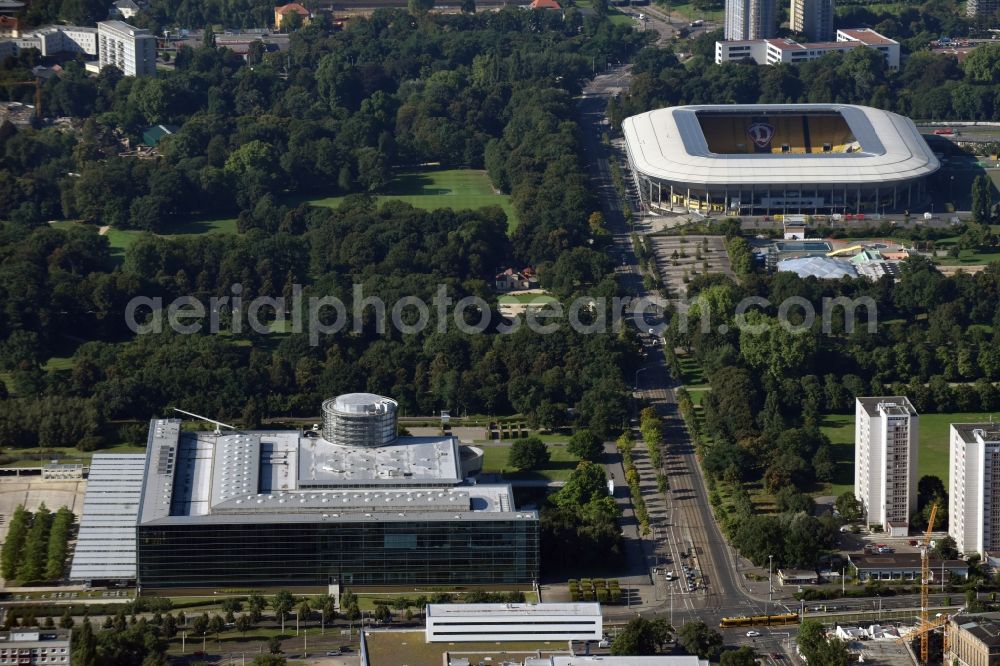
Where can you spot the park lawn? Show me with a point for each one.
(30, 457)
(685, 9)
(57, 363)
(932, 456)
(526, 299)
(691, 373)
(121, 239)
(968, 258)
(614, 14)
(559, 467)
(455, 189)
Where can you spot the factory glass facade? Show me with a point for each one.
(379, 552)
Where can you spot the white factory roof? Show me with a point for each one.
(196, 477)
(105, 547)
(514, 610)
(660, 660)
(669, 145)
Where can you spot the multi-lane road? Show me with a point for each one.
(687, 526)
(684, 529)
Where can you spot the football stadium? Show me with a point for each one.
(754, 159)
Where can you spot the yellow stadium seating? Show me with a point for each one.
(793, 134)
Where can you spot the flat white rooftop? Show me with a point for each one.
(192, 477)
(660, 660)
(514, 610)
(892, 405)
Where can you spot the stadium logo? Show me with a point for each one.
(761, 133)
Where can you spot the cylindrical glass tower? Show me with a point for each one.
(359, 419)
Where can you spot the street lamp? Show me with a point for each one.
(770, 587)
(636, 382)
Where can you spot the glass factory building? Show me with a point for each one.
(292, 509)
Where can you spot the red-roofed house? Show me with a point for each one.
(9, 27)
(513, 280)
(545, 4)
(280, 13)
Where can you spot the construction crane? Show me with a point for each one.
(924, 630)
(927, 625)
(925, 582)
(38, 93)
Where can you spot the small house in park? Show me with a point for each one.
(513, 280)
(123, 9)
(903, 566)
(283, 12)
(9, 27)
(545, 4)
(797, 577)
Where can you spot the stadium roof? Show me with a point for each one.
(669, 144)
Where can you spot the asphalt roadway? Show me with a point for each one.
(689, 526)
(686, 532)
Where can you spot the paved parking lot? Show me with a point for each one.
(681, 258)
(32, 492)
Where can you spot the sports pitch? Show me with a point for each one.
(456, 189)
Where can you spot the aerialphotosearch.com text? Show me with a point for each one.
(328, 315)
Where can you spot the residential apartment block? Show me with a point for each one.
(885, 461)
(53, 39)
(974, 468)
(788, 51)
(27, 648)
(130, 49)
(751, 19)
(814, 18)
(974, 8)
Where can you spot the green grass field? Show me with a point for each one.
(121, 239)
(527, 299)
(456, 189)
(66, 454)
(933, 455)
(969, 258)
(686, 10)
(559, 467)
(692, 374)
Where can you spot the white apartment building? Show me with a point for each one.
(130, 49)
(974, 486)
(788, 51)
(53, 39)
(814, 18)
(885, 461)
(751, 19)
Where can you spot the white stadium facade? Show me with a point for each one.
(761, 159)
